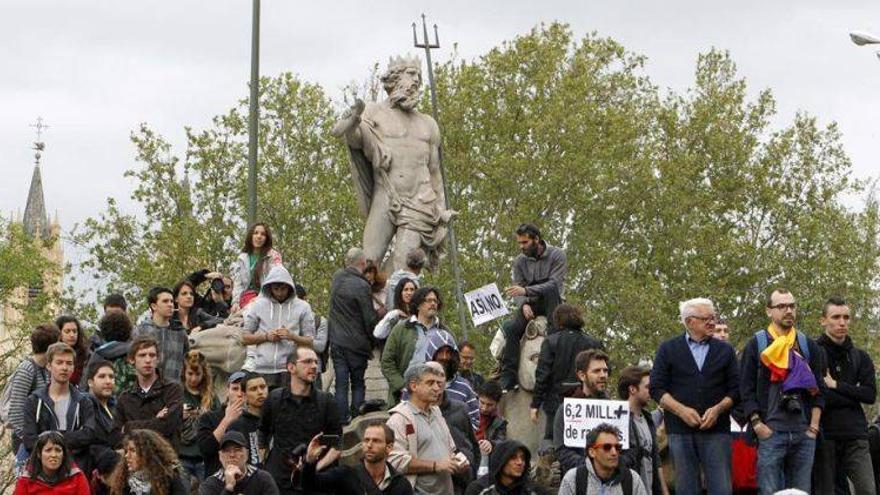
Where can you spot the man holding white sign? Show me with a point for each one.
(592, 372)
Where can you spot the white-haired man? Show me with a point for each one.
(696, 379)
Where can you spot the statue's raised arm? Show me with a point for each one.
(395, 165)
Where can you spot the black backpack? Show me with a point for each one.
(582, 480)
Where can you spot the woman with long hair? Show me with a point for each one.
(186, 314)
(51, 470)
(198, 398)
(402, 297)
(149, 467)
(255, 260)
(378, 285)
(72, 335)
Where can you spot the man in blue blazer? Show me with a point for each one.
(696, 380)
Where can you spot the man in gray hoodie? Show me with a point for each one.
(274, 324)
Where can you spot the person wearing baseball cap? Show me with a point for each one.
(237, 476)
(246, 393)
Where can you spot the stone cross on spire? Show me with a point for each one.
(35, 221)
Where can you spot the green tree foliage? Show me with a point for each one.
(198, 220)
(656, 196)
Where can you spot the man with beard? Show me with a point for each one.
(694, 379)
(373, 475)
(509, 467)
(786, 422)
(592, 372)
(843, 449)
(538, 287)
(395, 152)
(293, 415)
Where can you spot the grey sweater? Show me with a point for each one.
(541, 275)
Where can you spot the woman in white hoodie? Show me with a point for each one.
(275, 323)
(256, 259)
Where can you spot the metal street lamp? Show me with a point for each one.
(254, 115)
(862, 38)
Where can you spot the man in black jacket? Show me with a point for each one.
(372, 476)
(643, 454)
(246, 394)
(108, 435)
(850, 379)
(151, 403)
(350, 324)
(556, 374)
(695, 379)
(293, 415)
(237, 476)
(785, 423)
(60, 406)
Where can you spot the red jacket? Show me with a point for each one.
(74, 484)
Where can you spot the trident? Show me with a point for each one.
(453, 245)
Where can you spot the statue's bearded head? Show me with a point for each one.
(402, 81)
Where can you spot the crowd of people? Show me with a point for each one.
(133, 408)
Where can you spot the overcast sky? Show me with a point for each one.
(95, 69)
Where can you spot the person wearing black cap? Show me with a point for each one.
(237, 476)
(246, 393)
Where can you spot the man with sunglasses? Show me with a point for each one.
(602, 472)
(785, 421)
(695, 379)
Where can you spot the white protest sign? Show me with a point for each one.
(579, 416)
(485, 304)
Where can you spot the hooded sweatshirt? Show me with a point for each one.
(489, 484)
(457, 387)
(266, 313)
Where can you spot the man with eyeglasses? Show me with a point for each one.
(293, 415)
(602, 472)
(695, 380)
(783, 395)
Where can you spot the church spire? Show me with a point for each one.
(36, 221)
